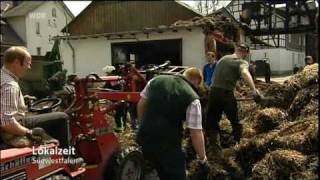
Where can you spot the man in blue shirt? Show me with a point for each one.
(208, 69)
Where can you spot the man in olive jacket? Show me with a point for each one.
(229, 70)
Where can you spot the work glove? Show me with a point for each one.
(204, 168)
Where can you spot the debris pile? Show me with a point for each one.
(268, 118)
(223, 26)
(278, 141)
(279, 163)
(196, 21)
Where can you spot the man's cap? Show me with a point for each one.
(243, 46)
(108, 69)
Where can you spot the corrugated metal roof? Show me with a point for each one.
(109, 16)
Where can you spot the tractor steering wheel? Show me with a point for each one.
(45, 105)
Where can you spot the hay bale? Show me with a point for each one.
(249, 151)
(220, 168)
(303, 97)
(309, 175)
(305, 78)
(216, 170)
(247, 113)
(262, 120)
(268, 119)
(279, 164)
(247, 110)
(312, 169)
(282, 93)
(311, 109)
(301, 135)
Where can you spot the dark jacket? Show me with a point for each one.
(162, 126)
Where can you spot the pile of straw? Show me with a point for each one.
(280, 142)
(279, 164)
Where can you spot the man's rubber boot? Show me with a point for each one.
(237, 132)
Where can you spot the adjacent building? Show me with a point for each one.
(279, 33)
(147, 32)
(35, 22)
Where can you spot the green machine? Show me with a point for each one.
(35, 82)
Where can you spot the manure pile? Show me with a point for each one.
(279, 141)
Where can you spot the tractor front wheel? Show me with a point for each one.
(125, 165)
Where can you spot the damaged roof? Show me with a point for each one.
(217, 23)
(120, 16)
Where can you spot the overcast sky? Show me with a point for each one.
(77, 6)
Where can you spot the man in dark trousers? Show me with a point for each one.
(221, 98)
(267, 71)
(166, 101)
(13, 121)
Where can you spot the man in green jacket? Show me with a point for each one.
(229, 70)
(166, 102)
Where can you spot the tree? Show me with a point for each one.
(207, 6)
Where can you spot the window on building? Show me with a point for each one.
(37, 27)
(39, 51)
(54, 12)
(301, 40)
(289, 38)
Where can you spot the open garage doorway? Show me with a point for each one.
(148, 52)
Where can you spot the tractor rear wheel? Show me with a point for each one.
(126, 164)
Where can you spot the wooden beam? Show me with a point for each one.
(294, 30)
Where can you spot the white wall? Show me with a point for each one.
(43, 14)
(91, 55)
(94, 53)
(281, 60)
(19, 25)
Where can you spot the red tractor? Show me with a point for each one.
(92, 134)
(92, 131)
